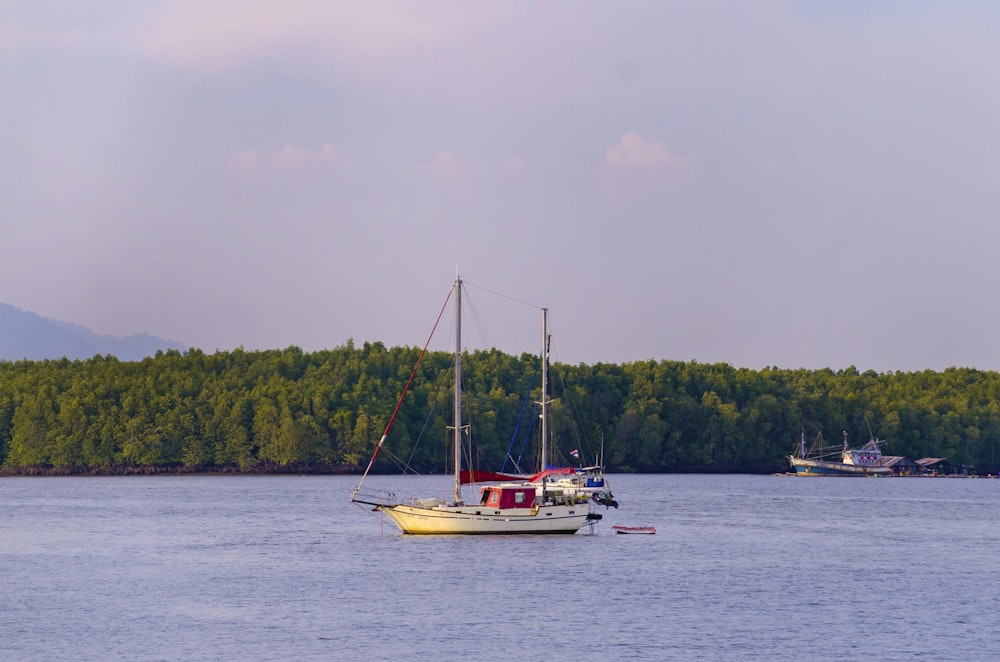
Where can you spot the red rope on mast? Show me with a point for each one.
(399, 403)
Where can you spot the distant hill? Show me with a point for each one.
(27, 335)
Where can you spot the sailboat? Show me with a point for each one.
(580, 482)
(585, 482)
(517, 507)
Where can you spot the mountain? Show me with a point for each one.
(26, 335)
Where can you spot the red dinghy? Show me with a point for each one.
(634, 529)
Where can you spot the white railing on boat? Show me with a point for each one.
(375, 498)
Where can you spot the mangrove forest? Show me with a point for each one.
(294, 411)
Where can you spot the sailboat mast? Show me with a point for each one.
(458, 390)
(545, 389)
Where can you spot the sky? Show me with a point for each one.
(799, 184)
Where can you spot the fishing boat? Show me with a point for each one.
(515, 507)
(644, 530)
(823, 461)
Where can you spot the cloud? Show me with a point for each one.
(513, 165)
(289, 157)
(446, 53)
(445, 167)
(217, 35)
(633, 152)
(638, 170)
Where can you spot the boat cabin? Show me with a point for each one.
(502, 496)
(862, 457)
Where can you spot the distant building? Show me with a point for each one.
(901, 466)
(939, 466)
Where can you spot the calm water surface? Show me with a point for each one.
(285, 568)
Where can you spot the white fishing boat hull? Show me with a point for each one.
(864, 461)
(447, 519)
(807, 467)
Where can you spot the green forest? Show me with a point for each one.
(295, 411)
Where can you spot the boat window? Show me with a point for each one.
(494, 497)
(518, 497)
(486, 495)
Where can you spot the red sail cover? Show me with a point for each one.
(475, 476)
(552, 471)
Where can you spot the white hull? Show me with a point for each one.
(822, 468)
(444, 519)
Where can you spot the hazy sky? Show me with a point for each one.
(799, 184)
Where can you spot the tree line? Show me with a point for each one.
(289, 410)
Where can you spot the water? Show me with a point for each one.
(285, 568)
